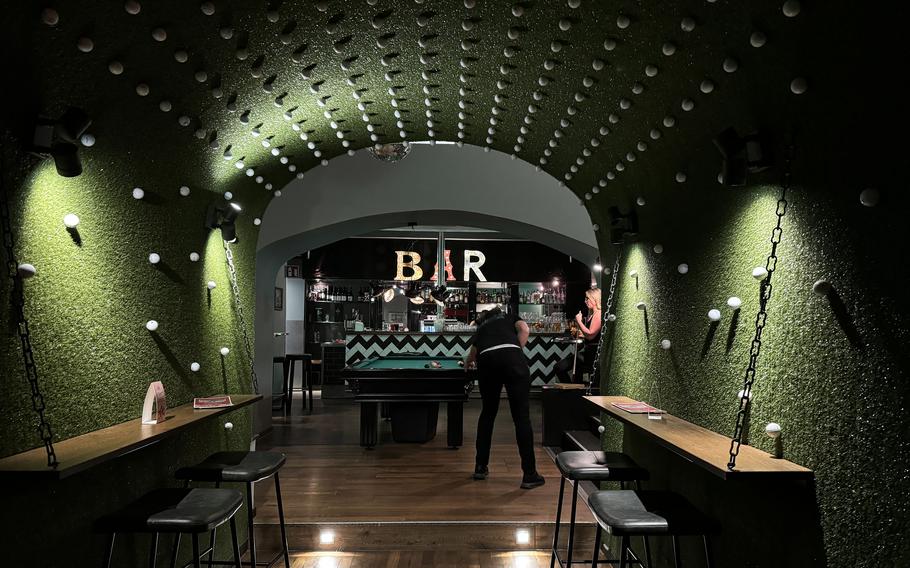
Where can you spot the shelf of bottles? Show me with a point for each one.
(457, 297)
(542, 306)
(553, 295)
(493, 296)
(325, 292)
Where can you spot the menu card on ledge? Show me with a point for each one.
(212, 402)
(637, 407)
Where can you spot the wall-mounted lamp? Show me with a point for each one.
(59, 140)
(741, 155)
(622, 224)
(222, 216)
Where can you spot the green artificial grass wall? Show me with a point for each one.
(87, 306)
(596, 103)
(832, 370)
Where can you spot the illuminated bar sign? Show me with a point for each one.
(408, 266)
(466, 261)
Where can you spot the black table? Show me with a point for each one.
(413, 389)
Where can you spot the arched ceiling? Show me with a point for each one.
(464, 182)
(247, 93)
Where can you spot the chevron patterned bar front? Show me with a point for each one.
(542, 352)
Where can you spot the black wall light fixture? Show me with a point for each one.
(622, 224)
(59, 140)
(222, 216)
(741, 155)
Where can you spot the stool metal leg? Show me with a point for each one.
(196, 560)
(572, 524)
(707, 551)
(153, 551)
(109, 556)
(677, 561)
(562, 488)
(176, 551)
(249, 516)
(596, 557)
(309, 388)
(235, 544)
(284, 386)
(212, 546)
(624, 552)
(284, 535)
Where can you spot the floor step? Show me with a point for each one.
(354, 536)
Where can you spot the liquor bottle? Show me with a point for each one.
(350, 293)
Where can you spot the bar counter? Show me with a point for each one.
(542, 352)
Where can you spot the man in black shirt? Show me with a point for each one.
(497, 352)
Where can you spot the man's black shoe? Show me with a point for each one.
(481, 472)
(532, 481)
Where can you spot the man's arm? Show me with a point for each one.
(471, 360)
(523, 331)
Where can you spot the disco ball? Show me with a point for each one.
(390, 152)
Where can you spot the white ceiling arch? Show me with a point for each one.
(466, 181)
(434, 185)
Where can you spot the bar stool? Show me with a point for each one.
(577, 466)
(244, 467)
(627, 513)
(281, 397)
(306, 385)
(178, 511)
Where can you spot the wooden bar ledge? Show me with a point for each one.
(87, 450)
(700, 445)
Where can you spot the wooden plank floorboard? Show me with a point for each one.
(328, 477)
(422, 559)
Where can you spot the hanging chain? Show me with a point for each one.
(18, 303)
(607, 310)
(762, 316)
(237, 301)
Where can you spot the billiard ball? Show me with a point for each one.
(461, 363)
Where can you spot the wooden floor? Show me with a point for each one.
(329, 478)
(408, 505)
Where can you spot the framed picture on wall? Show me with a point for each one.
(279, 299)
(292, 271)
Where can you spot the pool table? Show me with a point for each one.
(413, 390)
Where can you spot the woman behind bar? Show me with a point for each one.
(589, 328)
(497, 352)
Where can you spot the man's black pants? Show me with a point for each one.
(505, 367)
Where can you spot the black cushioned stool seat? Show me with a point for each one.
(234, 467)
(599, 466)
(244, 467)
(592, 466)
(175, 511)
(628, 513)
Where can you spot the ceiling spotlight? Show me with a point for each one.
(439, 294)
(389, 294)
